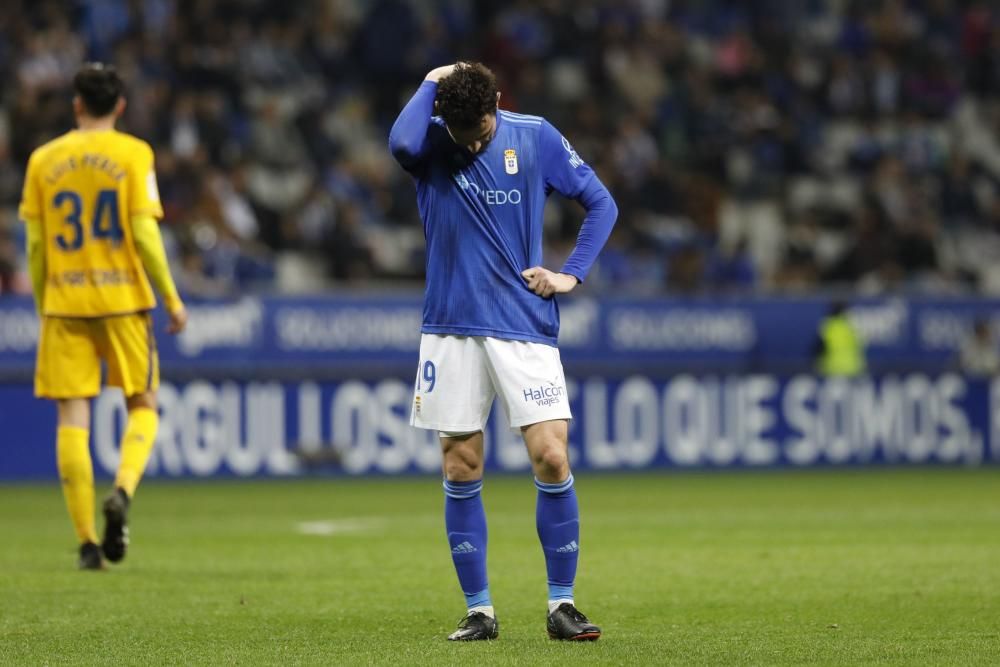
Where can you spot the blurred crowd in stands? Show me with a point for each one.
(773, 145)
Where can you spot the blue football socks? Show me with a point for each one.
(465, 521)
(557, 518)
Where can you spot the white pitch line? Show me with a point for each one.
(329, 527)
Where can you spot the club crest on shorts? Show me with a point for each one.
(510, 161)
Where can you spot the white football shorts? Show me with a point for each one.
(459, 376)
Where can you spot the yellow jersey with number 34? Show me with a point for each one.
(84, 188)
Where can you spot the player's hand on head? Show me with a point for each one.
(545, 283)
(178, 320)
(439, 73)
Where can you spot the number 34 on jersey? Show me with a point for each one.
(84, 188)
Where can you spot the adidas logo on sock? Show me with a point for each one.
(568, 548)
(464, 548)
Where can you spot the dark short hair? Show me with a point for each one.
(99, 87)
(466, 95)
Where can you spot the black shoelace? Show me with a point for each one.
(467, 621)
(576, 615)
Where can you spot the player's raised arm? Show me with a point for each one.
(408, 137)
(566, 173)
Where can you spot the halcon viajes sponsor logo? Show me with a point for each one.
(544, 394)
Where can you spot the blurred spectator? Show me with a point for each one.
(979, 356)
(8, 261)
(731, 269)
(765, 145)
(350, 257)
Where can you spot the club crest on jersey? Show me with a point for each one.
(510, 161)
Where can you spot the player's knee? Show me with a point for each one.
(550, 462)
(146, 399)
(74, 412)
(461, 465)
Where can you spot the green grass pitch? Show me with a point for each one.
(805, 567)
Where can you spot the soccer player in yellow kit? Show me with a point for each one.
(90, 206)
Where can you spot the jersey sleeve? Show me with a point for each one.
(563, 169)
(149, 244)
(566, 172)
(409, 140)
(144, 194)
(30, 209)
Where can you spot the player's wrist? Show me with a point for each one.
(173, 304)
(570, 275)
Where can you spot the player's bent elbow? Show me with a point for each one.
(402, 156)
(405, 152)
(612, 209)
(597, 197)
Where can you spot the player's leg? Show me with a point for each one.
(68, 370)
(557, 515)
(465, 522)
(453, 395)
(133, 365)
(136, 446)
(532, 387)
(138, 440)
(76, 472)
(557, 518)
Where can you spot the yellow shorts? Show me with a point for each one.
(70, 351)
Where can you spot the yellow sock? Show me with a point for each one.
(140, 436)
(77, 475)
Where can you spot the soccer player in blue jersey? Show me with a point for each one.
(490, 317)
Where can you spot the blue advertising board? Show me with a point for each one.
(252, 428)
(372, 335)
(282, 386)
